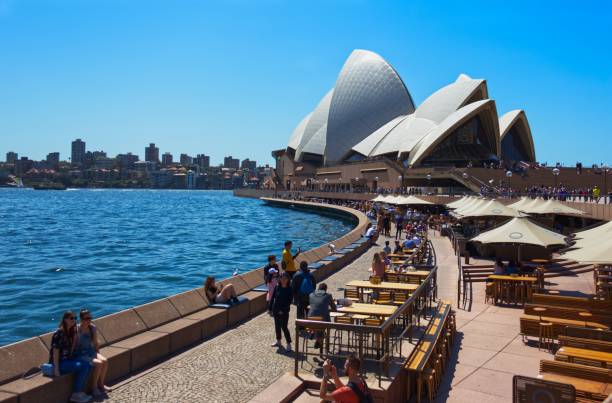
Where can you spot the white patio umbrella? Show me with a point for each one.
(551, 206)
(594, 253)
(412, 200)
(380, 198)
(459, 202)
(518, 205)
(491, 208)
(604, 230)
(520, 231)
(592, 236)
(470, 205)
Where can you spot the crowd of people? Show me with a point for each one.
(562, 193)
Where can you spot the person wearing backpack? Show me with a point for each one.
(355, 391)
(303, 284)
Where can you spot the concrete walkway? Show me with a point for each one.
(238, 364)
(232, 367)
(489, 349)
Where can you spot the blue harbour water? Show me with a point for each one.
(109, 250)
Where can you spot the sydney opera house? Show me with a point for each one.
(368, 131)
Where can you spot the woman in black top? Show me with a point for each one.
(280, 304)
(62, 356)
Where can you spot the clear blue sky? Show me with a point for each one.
(236, 76)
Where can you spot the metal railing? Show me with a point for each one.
(388, 336)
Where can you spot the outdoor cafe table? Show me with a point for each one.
(368, 309)
(407, 254)
(383, 285)
(512, 289)
(421, 274)
(603, 358)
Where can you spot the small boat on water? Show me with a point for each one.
(49, 186)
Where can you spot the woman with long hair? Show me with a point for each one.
(279, 307)
(378, 266)
(62, 356)
(88, 349)
(219, 295)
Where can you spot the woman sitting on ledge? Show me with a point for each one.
(88, 349)
(219, 295)
(63, 344)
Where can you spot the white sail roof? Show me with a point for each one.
(440, 132)
(368, 94)
(315, 125)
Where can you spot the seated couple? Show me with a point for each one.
(511, 268)
(219, 294)
(76, 349)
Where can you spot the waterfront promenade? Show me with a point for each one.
(236, 365)
(232, 367)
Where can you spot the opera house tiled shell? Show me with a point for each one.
(370, 114)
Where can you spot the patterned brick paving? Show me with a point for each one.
(232, 367)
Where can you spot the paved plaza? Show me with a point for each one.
(238, 364)
(232, 367)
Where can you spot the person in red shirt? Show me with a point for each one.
(355, 391)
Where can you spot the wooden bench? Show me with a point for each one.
(590, 382)
(530, 325)
(584, 356)
(588, 333)
(589, 344)
(420, 360)
(592, 305)
(570, 313)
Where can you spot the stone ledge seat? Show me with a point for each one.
(15, 360)
(316, 265)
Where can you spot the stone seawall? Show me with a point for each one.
(139, 337)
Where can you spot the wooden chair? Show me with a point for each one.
(392, 278)
(337, 337)
(305, 339)
(384, 297)
(373, 344)
(352, 294)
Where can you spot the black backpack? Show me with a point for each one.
(363, 397)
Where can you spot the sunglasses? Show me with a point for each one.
(86, 318)
(71, 317)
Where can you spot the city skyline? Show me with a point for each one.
(180, 158)
(217, 76)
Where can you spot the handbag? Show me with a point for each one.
(48, 369)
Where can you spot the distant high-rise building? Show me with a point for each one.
(23, 165)
(53, 160)
(126, 161)
(152, 153)
(191, 179)
(248, 164)
(186, 160)
(229, 162)
(11, 157)
(166, 159)
(77, 155)
(203, 161)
